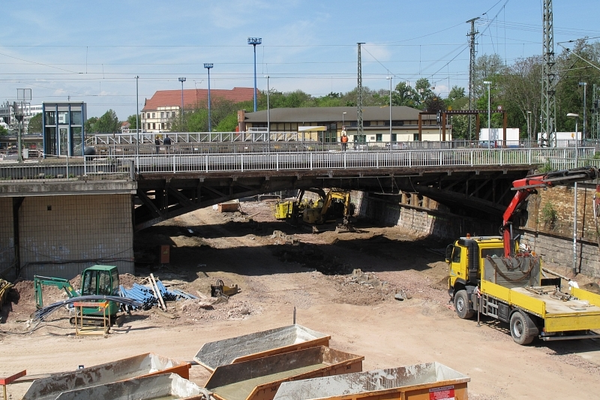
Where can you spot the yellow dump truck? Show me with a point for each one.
(494, 276)
(514, 290)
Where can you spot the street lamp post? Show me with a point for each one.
(529, 128)
(181, 79)
(137, 117)
(489, 85)
(583, 130)
(576, 116)
(254, 41)
(268, 113)
(208, 66)
(390, 78)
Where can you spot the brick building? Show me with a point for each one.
(165, 105)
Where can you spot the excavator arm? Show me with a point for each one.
(528, 185)
(40, 281)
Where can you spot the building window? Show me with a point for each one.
(379, 137)
(416, 137)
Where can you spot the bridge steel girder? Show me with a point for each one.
(485, 190)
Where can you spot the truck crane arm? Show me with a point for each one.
(528, 185)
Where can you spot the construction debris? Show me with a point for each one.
(219, 289)
(156, 295)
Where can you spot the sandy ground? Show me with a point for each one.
(340, 284)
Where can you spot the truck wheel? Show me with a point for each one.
(461, 305)
(522, 329)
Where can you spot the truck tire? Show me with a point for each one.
(522, 328)
(461, 305)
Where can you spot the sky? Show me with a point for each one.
(92, 51)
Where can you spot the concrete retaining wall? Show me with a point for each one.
(424, 217)
(62, 235)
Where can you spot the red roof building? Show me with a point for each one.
(160, 110)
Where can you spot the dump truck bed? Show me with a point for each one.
(127, 368)
(577, 311)
(258, 379)
(155, 387)
(415, 382)
(259, 344)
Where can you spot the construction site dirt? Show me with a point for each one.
(379, 292)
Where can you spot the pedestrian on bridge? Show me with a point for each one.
(167, 143)
(344, 140)
(157, 143)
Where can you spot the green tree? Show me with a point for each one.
(521, 93)
(333, 99)
(3, 131)
(457, 99)
(108, 123)
(227, 124)
(35, 124)
(133, 121)
(90, 125)
(404, 95)
(577, 65)
(423, 93)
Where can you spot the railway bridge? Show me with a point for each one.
(102, 200)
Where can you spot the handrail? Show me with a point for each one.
(126, 167)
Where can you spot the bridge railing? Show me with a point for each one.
(555, 158)
(125, 167)
(67, 169)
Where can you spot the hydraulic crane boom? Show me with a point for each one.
(528, 185)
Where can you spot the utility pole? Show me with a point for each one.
(473, 52)
(548, 106)
(359, 115)
(595, 116)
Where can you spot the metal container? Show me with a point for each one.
(259, 379)
(259, 344)
(414, 382)
(127, 368)
(155, 387)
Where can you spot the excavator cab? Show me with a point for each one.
(100, 280)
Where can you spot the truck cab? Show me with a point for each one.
(465, 258)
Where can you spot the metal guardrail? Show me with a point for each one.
(207, 163)
(67, 169)
(127, 166)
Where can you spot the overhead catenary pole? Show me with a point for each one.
(359, 114)
(473, 53)
(548, 106)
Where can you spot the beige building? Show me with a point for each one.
(326, 124)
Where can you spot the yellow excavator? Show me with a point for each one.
(329, 206)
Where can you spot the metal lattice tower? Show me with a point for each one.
(548, 108)
(473, 52)
(359, 114)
